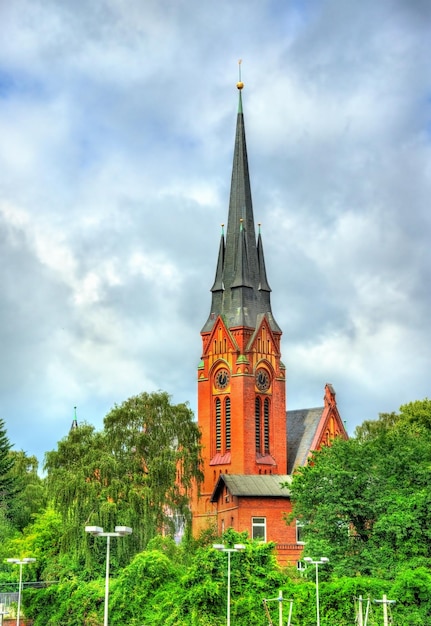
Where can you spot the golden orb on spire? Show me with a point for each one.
(239, 84)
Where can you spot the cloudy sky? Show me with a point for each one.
(117, 122)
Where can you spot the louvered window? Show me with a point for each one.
(227, 423)
(257, 423)
(218, 424)
(266, 425)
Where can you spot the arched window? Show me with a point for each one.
(218, 424)
(266, 425)
(257, 423)
(227, 423)
(261, 425)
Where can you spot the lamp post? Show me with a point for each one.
(97, 531)
(317, 562)
(237, 547)
(20, 562)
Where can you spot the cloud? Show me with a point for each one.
(117, 126)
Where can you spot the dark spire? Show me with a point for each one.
(263, 281)
(218, 281)
(242, 277)
(240, 291)
(75, 422)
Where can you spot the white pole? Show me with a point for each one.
(228, 588)
(385, 610)
(97, 531)
(290, 613)
(317, 594)
(367, 611)
(280, 608)
(105, 616)
(360, 623)
(19, 594)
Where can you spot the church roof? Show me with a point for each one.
(241, 291)
(302, 425)
(259, 485)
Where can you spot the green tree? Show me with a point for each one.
(32, 494)
(366, 502)
(9, 487)
(42, 540)
(136, 472)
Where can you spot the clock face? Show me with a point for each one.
(262, 380)
(222, 379)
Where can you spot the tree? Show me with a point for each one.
(136, 472)
(8, 483)
(32, 496)
(415, 417)
(366, 502)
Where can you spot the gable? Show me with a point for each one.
(219, 341)
(263, 340)
(310, 429)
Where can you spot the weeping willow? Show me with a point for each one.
(137, 472)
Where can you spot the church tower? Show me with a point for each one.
(241, 379)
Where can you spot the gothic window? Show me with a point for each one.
(266, 425)
(261, 425)
(218, 424)
(227, 424)
(257, 423)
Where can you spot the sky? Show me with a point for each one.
(117, 125)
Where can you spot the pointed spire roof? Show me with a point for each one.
(218, 281)
(75, 421)
(240, 291)
(263, 281)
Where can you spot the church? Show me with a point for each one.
(250, 443)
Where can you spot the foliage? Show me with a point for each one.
(66, 604)
(157, 588)
(139, 585)
(366, 502)
(8, 483)
(7, 533)
(32, 495)
(412, 591)
(157, 445)
(136, 472)
(41, 540)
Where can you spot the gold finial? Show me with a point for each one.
(239, 84)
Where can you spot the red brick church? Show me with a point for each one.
(250, 443)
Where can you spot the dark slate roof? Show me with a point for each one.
(301, 427)
(240, 292)
(261, 485)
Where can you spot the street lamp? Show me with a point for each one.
(317, 562)
(97, 531)
(20, 562)
(237, 547)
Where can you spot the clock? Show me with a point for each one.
(222, 379)
(262, 380)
